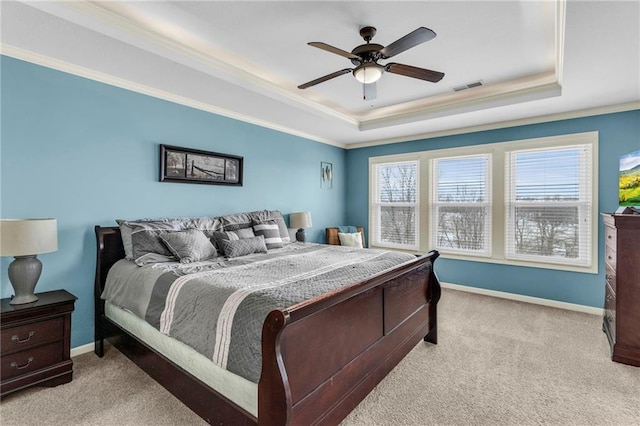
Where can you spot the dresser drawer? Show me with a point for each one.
(610, 257)
(610, 278)
(29, 335)
(29, 360)
(610, 237)
(610, 303)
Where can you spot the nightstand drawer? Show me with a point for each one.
(30, 335)
(31, 360)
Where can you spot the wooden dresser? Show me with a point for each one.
(622, 294)
(36, 342)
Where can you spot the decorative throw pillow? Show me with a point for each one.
(270, 231)
(350, 240)
(190, 245)
(235, 248)
(146, 241)
(238, 234)
(231, 222)
(261, 216)
(130, 227)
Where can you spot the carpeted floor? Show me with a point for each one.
(498, 362)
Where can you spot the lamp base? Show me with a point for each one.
(24, 273)
(301, 235)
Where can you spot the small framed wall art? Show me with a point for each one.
(187, 165)
(326, 175)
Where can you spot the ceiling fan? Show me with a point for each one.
(366, 56)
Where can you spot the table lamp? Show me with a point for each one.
(300, 220)
(24, 239)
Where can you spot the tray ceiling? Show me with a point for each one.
(245, 59)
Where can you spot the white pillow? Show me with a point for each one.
(350, 240)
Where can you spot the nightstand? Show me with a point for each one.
(36, 342)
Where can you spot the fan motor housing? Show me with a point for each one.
(369, 52)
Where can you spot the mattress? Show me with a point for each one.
(218, 307)
(238, 389)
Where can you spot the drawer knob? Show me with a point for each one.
(609, 236)
(15, 338)
(20, 367)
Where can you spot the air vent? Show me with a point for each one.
(468, 86)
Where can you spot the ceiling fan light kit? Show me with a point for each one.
(365, 57)
(368, 72)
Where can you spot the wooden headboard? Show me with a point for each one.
(109, 251)
(333, 239)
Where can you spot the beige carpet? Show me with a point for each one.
(498, 362)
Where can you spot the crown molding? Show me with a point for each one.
(59, 65)
(589, 112)
(226, 69)
(100, 77)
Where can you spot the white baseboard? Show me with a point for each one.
(526, 299)
(82, 349)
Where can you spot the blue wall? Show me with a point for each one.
(618, 134)
(87, 153)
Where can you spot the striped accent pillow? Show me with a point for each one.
(270, 231)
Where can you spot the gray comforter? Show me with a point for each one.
(218, 307)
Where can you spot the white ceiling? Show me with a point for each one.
(245, 59)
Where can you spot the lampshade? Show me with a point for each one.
(23, 237)
(300, 220)
(368, 73)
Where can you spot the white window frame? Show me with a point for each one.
(583, 205)
(498, 152)
(436, 205)
(375, 208)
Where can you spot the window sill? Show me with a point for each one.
(539, 265)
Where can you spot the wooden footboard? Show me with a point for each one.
(320, 358)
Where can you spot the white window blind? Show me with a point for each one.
(548, 203)
(395, 204)
(461, 204)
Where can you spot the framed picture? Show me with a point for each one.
(195, 166)
(326, 175)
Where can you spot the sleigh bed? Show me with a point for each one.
(318, 358)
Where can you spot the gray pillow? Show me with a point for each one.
(264, 215)
(238, 234)
(270, 231)
(130, 227)
(190, 245)
(144, 241)
(235, 248)
(231, 222)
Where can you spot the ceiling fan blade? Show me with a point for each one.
(369, 91)
(329, 48)
(415, 72)
(325, 78)
(414, 38)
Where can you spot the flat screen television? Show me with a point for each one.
(629, 182)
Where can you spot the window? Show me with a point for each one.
(530, 202)
(548, 204)
(461, 204)
(395, 205)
